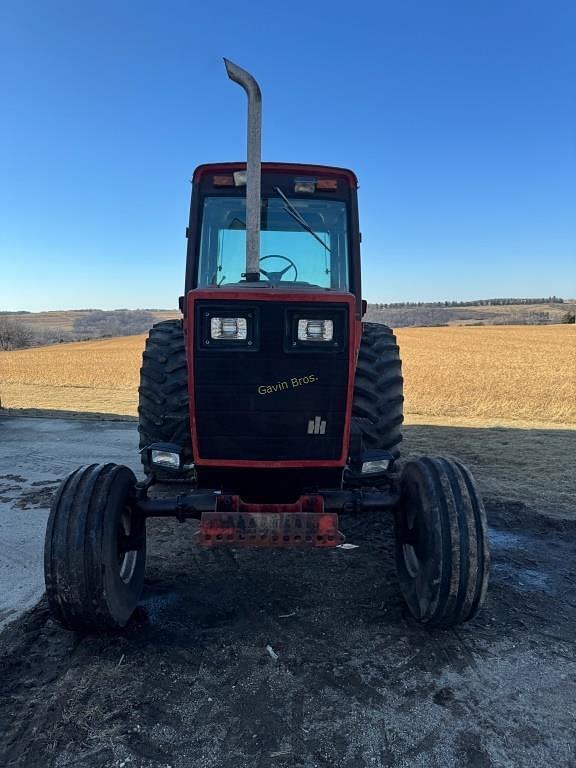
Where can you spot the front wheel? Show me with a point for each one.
(442, 553)
(95, 550)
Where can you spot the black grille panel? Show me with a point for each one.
(256, 403)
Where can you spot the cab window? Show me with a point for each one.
(304, 242)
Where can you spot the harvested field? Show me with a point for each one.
(495, 375)
(98, 376)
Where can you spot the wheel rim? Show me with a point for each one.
(409, 551)
(413, 537)
(414, 552)
(127, 555)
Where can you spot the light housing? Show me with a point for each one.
(375, 462)
(304, 185)
(228, 328)
(315, 329)
(370, 467)
(222, 180)
(165, 456)
(327, 185)
(376, 466)
(232, 326)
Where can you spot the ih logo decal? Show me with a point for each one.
(316, 426)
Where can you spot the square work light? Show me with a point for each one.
(315, 330)
(229, 328)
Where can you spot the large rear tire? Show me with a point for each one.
(442, 552)
(377, 407)
(95, 550)
(163, 409)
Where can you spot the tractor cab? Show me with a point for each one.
(308, 238)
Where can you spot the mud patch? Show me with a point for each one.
(6, 488)
(6, 499)
(9, 487)
(41, 496)
(13, 478)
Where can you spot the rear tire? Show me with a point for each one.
(95, 550)
(377, 407)
(163, 408)
(442, 553)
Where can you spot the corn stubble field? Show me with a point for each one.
(509, 375)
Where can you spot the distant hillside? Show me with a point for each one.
(80, 324)
(483, 312)
(40, 328)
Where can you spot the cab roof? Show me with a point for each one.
(298, 168)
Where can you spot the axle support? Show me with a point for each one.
(194, 504)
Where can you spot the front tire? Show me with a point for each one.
(95, 550)
(442, 552)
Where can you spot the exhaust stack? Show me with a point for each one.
(253, 174)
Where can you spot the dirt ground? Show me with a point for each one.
(357, 684)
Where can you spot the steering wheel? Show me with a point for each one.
(276, 277)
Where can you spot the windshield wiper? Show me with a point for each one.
(289, 208)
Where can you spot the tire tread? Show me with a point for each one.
(377, 407)
(455, 509)
(163, 409)
(73, 566)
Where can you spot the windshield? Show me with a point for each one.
(310, 251)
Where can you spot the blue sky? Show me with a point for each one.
(459, 118)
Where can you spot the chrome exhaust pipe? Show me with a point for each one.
(253, 173)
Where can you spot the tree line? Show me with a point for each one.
(475, 303)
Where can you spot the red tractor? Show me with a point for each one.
(273, 403)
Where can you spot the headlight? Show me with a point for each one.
(166, 459)
(315, 330)
(374, 462)
(165, 456)
(373, 467)
(228, 328)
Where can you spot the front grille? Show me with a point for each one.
(271, 401)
